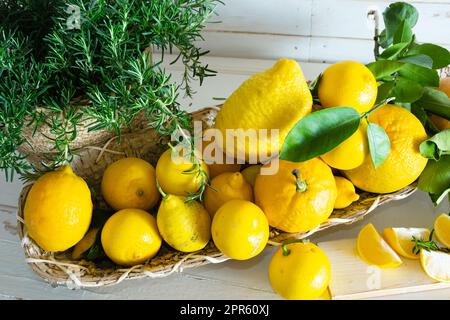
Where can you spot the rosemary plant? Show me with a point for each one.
(48, 66)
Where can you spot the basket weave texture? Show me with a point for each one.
(92, 160)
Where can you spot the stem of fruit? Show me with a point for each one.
(286, 251)
(161, 191)
(301, 183)
(382, 103)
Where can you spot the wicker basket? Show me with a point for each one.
(59, 269)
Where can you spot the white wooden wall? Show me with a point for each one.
(312, 30)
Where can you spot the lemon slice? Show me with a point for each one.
(400, 239)
(442, 229)
(436, 264)
(374, 250)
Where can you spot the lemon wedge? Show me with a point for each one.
(400, 239)
(442, 229)
(436, 264)
(374, 250)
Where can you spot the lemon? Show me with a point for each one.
(240, 229)
(273, 99)
(436, 264)
(351, 153)
(85, 244)
(303, 273)
(250, 173)
(130, 237)
(226, 187)
(175, 176)
(345, 193)
(404, 163)
(400, 239)
(58, 210)
(184, 226)
(348, 83)
(130, 183)
(374, 250)
(442, 229)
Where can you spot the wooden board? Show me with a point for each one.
(352, 278)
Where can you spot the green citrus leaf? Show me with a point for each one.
(319, 132)
(379, 144)
(394, 51)
(383, 68)
(439, 55)
(393, 17)
(436, 102)
(435, 179)
(421, 75)
(436, 146)
(406, 90)
(384, 91)
(418, 59)
(404, 32)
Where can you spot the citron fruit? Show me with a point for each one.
(130, 183)
(299, 197)
(349, 154)
(58, 210)
(240, 229)
(436, 264)
(273, 99)
(178, 175)
(404, 163)
(348, 83)
(250, 173)
(401, 240)
(346, 194)
(185, 226)
(300, 272)
(374, 250)
(85, 244)
(442, 229)
(130, 237)
(226, 187)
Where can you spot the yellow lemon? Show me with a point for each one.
(226, 187)
(374, 250)
(184, 226)
(442, 229)
(404, 163)
(299, 197)
(85, 244)
(436, 264)
(250, 173)
(345, 193)
(273, 99)
(130, 237)
(177, 175)
(240, 229)
(348, 83)
(130, 183)
(350, 153)
(300, 273)
(58, 210)
(400, 239)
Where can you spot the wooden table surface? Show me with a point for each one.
(229, 280)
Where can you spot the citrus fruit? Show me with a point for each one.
(303, 272)
(250, 173)
(350, 153)
(442, 229)
(130, 237)
(226, 187)
(178, 175)
(374, 250)
(240, 229)
(436, 264)
(185, 226)
(345, 193)
(130, 183)
(299, 197)
(348, 83)
(404, 163)
(85, 244)
(58, 210)
(401, 240)
(273, 99)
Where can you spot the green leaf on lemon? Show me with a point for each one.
(379, 144)
(435, 178)
(406, 90)
(419, 74)
(418, 59)
(436, 146)
(439, 55)
(383, 68)
(319, 132)
(436, 102)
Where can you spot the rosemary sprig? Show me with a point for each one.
(429, 245)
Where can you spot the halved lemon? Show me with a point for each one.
(442, 229)
(400, 239)
(374, 250)
(436, 264)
